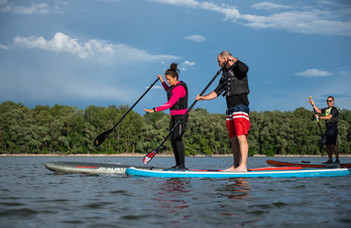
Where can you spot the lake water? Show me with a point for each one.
(32, 196)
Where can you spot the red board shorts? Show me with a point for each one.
(238, 122)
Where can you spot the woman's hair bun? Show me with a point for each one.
(174, 66)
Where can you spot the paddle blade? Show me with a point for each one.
(101, 138)
(149, 156)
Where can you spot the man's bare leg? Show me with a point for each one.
(236, 154)
(244, 152)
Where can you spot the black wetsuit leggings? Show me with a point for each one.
(176, 139)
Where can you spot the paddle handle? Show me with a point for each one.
(310, 98)
(319, 125)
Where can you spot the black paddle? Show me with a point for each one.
(152, 154)
(101, 138)
(324, 138)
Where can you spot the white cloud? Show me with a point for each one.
(230, 12)
(155, 87)
(306, 22)
(64, 43)
(4, 47)
(318, 19)
(97, 49)
(196, 38)
(268, 6)
(312, 73)
(11, 7)
(188, 63)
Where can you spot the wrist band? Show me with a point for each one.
(154, 109)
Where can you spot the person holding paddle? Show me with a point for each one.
(235, 86)
(331, 115)
(177, 95)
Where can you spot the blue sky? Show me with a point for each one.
(107, 52)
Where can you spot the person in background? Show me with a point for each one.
(331, 115)
(235, 86)
(177, 95)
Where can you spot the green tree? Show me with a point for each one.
(64, 129)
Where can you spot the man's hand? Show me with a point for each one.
(149, 110)
(199, 98)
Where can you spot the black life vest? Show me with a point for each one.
(334, 120)
(182, 103)
(235, 80)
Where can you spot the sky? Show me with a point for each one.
(108, 52)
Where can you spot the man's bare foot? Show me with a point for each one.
(230, 169)
(240, 169)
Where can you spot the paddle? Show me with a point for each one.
(152, 154)
(323, 139)
(101, 138)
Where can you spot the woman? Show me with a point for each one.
(177, 95)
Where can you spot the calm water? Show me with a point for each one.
(32, 196)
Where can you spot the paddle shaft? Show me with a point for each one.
(135, 103)
(319, 125)
(100, 139)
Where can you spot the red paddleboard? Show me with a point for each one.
(306, 164)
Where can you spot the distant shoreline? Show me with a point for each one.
(142, 155)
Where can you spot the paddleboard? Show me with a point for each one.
(306, 164)
(89, 168)
(117, 168)
(216, 174)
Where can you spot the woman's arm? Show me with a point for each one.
(164, 84)
(177, 93)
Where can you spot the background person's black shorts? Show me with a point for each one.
(332, 135)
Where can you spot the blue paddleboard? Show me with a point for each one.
(215, 174)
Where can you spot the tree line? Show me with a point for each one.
(69, 130)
